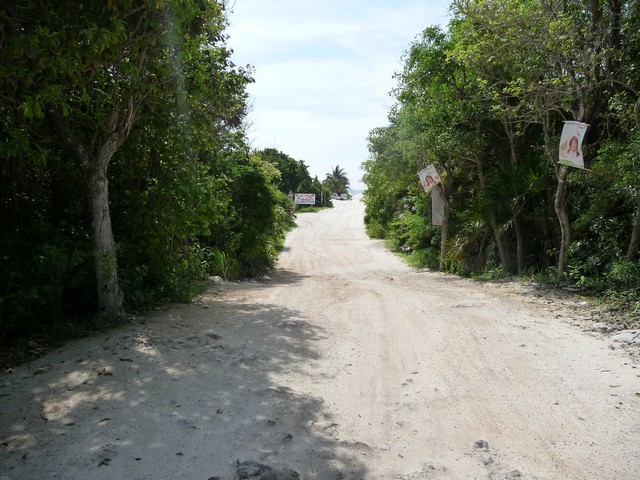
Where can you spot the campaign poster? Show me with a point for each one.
(429, 178)
(570, 150)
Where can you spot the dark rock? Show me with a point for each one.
(284, 474)
(482, 444)
(250, 469)
(326, 454)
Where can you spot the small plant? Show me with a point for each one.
(311, 209)
(428, 257)
(492, 272)
(624, 273)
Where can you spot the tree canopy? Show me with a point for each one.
(484, 101)
(126, 177)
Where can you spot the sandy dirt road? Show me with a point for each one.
(344, 364)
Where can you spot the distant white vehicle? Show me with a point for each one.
(340, 196)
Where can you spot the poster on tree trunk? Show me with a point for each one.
(437, 207)
(428, 178)
(570, 151)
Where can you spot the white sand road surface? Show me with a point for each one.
(344, 364)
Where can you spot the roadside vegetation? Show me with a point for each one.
(484, 101)
(126, 176)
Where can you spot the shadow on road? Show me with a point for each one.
(184, 393)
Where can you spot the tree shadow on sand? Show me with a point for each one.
(184, 393)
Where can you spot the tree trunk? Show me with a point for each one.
(635, 235)
(94, 167)
(560, 206)
(515, 210)
(560, 202)
(503, 251)
(444, 234)
(110, 296)
(517, 225)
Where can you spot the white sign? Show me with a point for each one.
(429, 177)
(305, 198)
(570, 151)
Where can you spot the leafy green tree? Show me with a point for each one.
(293, 173)
(95, 82)
(388, 175)
(567, 63)
(501, 83)
(294, 176)
(485, 102)
(146, 101)
(439, 118)
(322, 191)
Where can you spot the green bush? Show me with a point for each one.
(45, 284)
(624, 274)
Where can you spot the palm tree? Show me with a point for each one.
(337, 180)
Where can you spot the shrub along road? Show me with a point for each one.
(345, 363)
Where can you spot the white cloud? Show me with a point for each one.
(324, 70)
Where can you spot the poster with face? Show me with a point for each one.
(428, 178)
(570, 150)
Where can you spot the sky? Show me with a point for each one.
(323, 72)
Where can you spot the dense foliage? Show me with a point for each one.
(295, 177)
(484, 101)
(125, 173)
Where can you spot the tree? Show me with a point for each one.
(557, 60)
(293, 173)
(438, 115)
(337, 180)
(485, 102)
(95, 82)
(115, 56)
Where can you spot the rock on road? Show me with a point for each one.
(344, 364)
